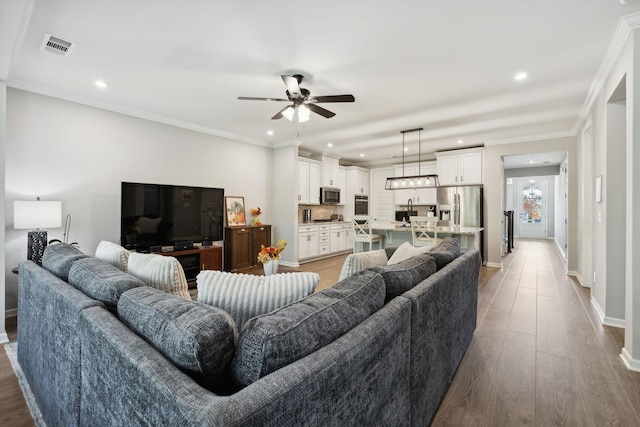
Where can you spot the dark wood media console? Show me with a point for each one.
(195, 260)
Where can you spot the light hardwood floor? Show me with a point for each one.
(539, 355)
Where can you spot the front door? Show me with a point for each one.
(533, 209)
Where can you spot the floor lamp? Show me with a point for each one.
(36, 215)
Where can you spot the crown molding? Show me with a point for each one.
(529, 138)
(116, 108)
(625, 26)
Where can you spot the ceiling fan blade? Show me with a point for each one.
(251, 98)
(279, 114)
(334, 98)
(322, 111)
(293, 87)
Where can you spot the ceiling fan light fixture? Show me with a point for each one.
(303, 113)
(288, 113)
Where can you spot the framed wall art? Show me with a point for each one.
(234, 206)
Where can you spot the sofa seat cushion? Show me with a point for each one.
(161, 272)
(197, 338)
(361, 261)
(101, 281)
(113, 254)
(244, 296)
(446, 251)
(59, 257)
(401, 277)
(274, 340)
(406, 251)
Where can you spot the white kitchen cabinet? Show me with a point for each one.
(358, 182)
(324, 236)
(418, 196)
(348, 237)
(460, 167)
(307, 241)
(309, 182)
(337, 238)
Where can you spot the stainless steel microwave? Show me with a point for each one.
(329, 195)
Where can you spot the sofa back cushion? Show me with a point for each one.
(113, 254)
(101, 281)
(244, 296)
(197, 338)
(274, 340)
(401, 277)
(446, 251)
(161, 272)
(59, 257)
(361, 261)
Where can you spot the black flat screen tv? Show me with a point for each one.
(160, 215)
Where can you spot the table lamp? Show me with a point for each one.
(36, 215)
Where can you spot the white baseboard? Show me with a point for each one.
(289, 264)
(577, 276)
(494, 264)
(4, 338)
(631, 363)
(606, 320)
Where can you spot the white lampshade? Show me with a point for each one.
(34, 214)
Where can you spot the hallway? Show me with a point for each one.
(540, 355)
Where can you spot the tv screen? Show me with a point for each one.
(160, 215)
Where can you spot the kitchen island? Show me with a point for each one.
(396, 233)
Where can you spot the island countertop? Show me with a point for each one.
(397, 226)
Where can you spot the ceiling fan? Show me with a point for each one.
(303, 102)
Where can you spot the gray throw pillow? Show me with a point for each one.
(445, 252)
(101, 281)
(401, 277)
(59, 257)
(273, 340)
(197, 338)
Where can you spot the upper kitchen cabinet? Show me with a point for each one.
(418, 196)
(357, 180)
(308, 182)
(460, 167)
(332, 174)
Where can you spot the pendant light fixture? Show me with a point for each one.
(414, 181)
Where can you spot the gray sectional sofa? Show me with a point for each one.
(349, 355)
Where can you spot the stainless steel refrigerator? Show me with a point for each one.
(460, 206)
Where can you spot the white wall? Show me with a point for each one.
(64, 151)
(3, 126)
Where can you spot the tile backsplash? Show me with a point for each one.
(319, 212)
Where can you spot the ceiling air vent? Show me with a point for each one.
(57, 46)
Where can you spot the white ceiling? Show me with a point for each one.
(444, 65)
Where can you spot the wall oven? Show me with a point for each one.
(361, 205)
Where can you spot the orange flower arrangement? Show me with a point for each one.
(270, 253)
(256, 212)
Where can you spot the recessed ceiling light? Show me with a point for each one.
(460, 141)
(520, 76)
(361, 154)
(269, 132)
(530, 161)
(101, 84)
(330, 144)
(406, 148)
